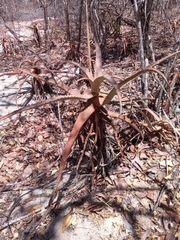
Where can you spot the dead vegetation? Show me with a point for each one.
(91, 134)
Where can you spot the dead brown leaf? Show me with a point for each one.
(27, 171)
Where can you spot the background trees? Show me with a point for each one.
(69, 17)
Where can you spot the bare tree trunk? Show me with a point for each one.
(80, 24)
(141, 47)
(44, 5)
(145, 14)
(143, 11)
(139, 28)
(66, 11)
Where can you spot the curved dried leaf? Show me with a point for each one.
(81, 119)
(146, 118)
(96, 84)
(163, 59)
(66, 222)
(112, 93)
(50, 81)
(85, 70)
(51, 100)
(88, 39)
(153, 114)
(32, 208)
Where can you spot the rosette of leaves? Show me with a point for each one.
(94, 114)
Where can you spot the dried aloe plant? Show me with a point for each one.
(94, 111)
(95, 104)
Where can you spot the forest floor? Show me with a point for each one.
(140, 196)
